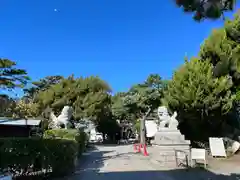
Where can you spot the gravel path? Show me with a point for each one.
(120, 162)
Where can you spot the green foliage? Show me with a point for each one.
(82, 140)
(143, 96)
(137, 126)
(209, 9)
(25, 109)
(22, 154)
(88, 96)
(149, 93)
(61, 133)
(136, 102)
(70, 134)
(10, 76)
(198, 97)
(5, 105)
(42, 85)
(108, 126)
(118, 109)
(222, 49)
(96, 105)
(13, 108)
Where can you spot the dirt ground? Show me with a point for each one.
(120, 162)
(225, 165)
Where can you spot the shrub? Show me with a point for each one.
(61, 133)
(81, 138)
(71, 134)
(23, 109)
(24, 155)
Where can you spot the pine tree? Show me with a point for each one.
(222, 49)
(206, 9)
(200, 100)
(41, 85)
(10, 76)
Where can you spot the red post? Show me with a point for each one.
(139, 147)
(145, 153)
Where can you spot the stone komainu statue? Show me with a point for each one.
(62, 120)
(165, 120)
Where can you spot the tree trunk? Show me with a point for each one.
(143, 128)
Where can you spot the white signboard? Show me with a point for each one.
(198, 154)
(217, 147)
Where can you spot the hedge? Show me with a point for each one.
(71, 134)
(61, 133)
(21, 156)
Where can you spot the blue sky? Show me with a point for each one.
(122, 41)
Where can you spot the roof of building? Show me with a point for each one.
(20, 122)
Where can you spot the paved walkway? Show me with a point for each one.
(120, 162)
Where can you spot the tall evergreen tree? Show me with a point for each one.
(41, 85)
(200, 100)
(222, 49)
(10, 76)
(89, 97)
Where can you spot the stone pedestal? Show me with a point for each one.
(170, 146)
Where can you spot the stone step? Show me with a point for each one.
(170, 147)
(171, 160)
(166, 165)
(172, 138)
(170, 153)
(167, 153)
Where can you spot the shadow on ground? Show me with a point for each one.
(107, 144)
(180, 174)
